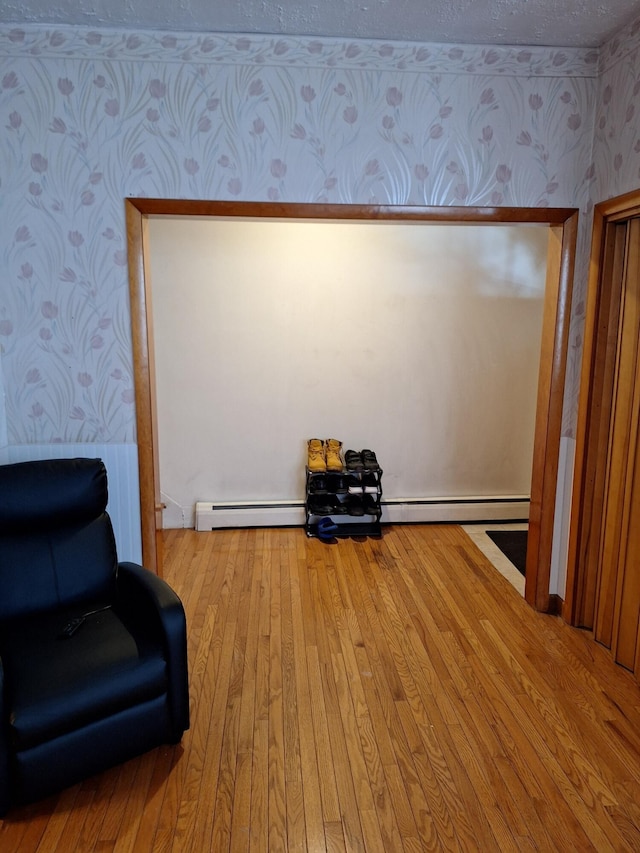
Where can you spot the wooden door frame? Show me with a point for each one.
(562, 223)
(594, 413)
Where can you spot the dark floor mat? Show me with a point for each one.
(513, 544)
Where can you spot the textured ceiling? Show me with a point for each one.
(566, 23)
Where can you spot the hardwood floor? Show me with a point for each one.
(378, 695)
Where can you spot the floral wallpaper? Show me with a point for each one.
(614, 170)
(90, 117)
(617, 120)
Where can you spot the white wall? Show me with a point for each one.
(420, 341)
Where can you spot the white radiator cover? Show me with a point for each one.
(211, 515)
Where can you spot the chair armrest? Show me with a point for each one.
(150, 602)
(5, 790)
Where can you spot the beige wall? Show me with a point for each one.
(420, 341)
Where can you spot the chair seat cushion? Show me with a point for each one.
(54, 685)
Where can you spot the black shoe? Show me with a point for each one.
(353, 461)
(371, 505)
(337, 484)
(340, 507)
(369, 461)
(318, 484)
(320, 505)
(370, 483)
(354, 505)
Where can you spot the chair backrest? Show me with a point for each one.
(56, 540)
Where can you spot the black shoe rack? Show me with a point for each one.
(351, 499)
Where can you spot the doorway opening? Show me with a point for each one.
(562, 225)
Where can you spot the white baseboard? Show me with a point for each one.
(211, 515)
(458, 510)
(246, 514)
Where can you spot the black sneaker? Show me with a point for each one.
(354, 505)
(318, 484)
(320, 505)
(369, 461)
(370, 484)
(353, 461)
(371, 505)
(337, 484)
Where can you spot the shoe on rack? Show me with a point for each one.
(354, 484)
(337, 484)
(354, 505)
(321, 505)
(333, 449)
(340, 505)
(370, 484)
(318, 484)
(316, 455)
(353, 461)
(369, 461)
(370, 505)
(326, 529)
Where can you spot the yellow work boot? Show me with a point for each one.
(316, 455)
(334, 459)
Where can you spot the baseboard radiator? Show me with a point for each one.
(211, 515)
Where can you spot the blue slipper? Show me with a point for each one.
(326, 527)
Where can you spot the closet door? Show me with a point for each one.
(618, 589)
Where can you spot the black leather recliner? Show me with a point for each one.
(93, 653)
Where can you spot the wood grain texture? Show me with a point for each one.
(603, 585)
(392, 694)
(627, 603)
(620, 456)
(593, 426)
(144, 380)
(612, 220)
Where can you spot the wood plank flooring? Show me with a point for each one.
(378, 695)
